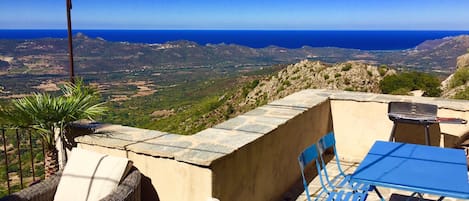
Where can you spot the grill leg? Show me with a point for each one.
(427, 134)
(391, 137)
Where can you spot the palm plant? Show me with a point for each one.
(49, 115)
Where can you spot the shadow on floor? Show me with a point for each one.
(399, 197)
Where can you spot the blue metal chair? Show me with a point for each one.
(342, 180)
(311, 154)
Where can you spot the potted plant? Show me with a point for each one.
(48, 116)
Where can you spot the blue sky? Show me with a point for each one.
(238, 14)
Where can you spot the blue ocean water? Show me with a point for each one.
(365, 40)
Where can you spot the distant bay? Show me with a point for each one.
(364, 40)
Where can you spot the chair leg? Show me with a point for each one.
(391, 137)
(378, 193)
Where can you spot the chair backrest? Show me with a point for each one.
(306, 157)
(309, 155)
(314, 153)
(325, 143)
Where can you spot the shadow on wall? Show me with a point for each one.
(310, 173)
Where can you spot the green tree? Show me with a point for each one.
(44, 114)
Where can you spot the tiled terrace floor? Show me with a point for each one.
(348, 168)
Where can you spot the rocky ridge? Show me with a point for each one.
(352, 76)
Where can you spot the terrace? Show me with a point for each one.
(254, 156)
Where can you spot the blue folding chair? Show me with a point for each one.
(311, 154)
(342, 180)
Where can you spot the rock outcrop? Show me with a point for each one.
(450, 91)
(351, 76)
(463, 61)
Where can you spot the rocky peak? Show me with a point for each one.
(463, 61)
(351, 76)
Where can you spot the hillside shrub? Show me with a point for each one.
(281, 88)
(249, 87)
(369, 73)
(464, 94)
(401, 91)
(337, 75)
(405, 82)
(382, 70)
(347, 67)
(460, 77)
(326, 77)
(349, 89)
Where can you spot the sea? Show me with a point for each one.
(364, 40)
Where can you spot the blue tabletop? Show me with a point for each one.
(416, 168)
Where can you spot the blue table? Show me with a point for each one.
(415, 168)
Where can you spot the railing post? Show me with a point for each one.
(6, 159)
(19, 158)
(31, 152)
(44, 156)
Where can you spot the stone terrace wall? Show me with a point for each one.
(250, 157)
(254, 156)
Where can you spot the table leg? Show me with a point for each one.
(427, 134)
(391, 137)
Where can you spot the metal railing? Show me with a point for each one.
(18, 145)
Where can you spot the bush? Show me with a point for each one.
(460, 77)
(337, 75)
(464, 95)
(401, 91)
(326, 77)
(405, 82)
(383, 69)
(281, 88)
(349, 89)
(347, 67)
(369, 73)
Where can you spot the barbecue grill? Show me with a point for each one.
(417, 113)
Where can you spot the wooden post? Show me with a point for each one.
(70, 45)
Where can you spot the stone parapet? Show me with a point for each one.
(254, 156)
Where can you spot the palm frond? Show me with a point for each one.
(44, 112)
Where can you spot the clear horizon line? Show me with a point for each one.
(143, 29)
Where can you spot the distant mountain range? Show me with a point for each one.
(95, 55)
